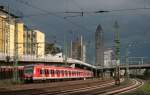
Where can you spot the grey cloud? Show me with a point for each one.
(133, 24)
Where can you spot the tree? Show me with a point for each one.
(51, 48)
(147, 73)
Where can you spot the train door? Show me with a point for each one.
(55, 74)
(42, 73)
(46, 73)
(66, 73)
(37, 72)
(75, 74)
(62, 73)
(52, 73)
(70, 74)
(58, 73)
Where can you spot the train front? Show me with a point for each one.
(28, 73)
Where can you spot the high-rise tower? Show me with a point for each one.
(99, 46)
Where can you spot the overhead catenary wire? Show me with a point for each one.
(84, 12)
(81, 13)
(50, 13)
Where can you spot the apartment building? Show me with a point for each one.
(15, 38)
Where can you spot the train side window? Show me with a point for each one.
(46, 71)
(66, 72)
(62, 72)
(40, 71)
(76, 73)
(57, 71)
(49, 71)
(69, 72)
(52, 71)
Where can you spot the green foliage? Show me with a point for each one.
(147, 73)
(50, 48)
(144, 90)
(146, 87)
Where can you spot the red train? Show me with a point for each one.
(42, 72)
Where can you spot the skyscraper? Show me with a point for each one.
(99, 46)
(79, 50)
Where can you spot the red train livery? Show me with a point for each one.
(42, 72)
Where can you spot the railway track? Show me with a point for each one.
(137, 84)
(80, 91)
(52, 87)
(99, 88)
(104, 89)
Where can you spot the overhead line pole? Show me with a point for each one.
(117, 54)
(127, 62)
(65, 50)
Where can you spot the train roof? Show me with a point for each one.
(57, 67)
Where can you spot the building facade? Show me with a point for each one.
(34, 43)
(2, 31)
(109, 58)
(20, 39)
(78, 50)
(16, 39)
(7, 30)
(99, 46)
(29, 42)
(39, 43)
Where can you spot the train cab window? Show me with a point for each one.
(28, 70)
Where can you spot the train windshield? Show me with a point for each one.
(28, 70)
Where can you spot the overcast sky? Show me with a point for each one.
(134, 24)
